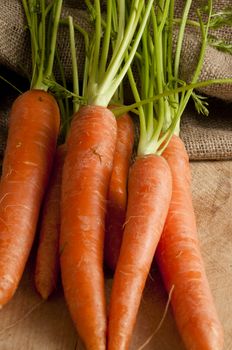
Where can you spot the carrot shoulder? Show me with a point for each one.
(180, 261)
(86, 174)
(47, 260)
(117, 192)
(33, 131)
(149, 194)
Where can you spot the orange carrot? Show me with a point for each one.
(117, 192)
(149, 194)
(180, 261)
(88, 166)
(33, 131)
(86, 174)
(47, 261)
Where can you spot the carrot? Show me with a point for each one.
(181, 264)
(149, 193)
(33, 130)
(117, 192)
(178, 252)
(47, 260)
(86, 174)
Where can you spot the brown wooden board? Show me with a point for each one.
(29, 323)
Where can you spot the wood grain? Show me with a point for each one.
(28, 323)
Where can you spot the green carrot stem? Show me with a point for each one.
(9, 83)
(32, 34)
(106, 41)
(158, 56)
(65, 115)
(170, 40)
(86, 63)
(145, 67)
(164, 16)
(204, 32)
(180, 37)
(85, 35)
(42, 45)
(36, 13)
(119, 25)
(34, 43)
(121, 110)
(96, 48)
(111, 80)
(90, 8)
(148, 91)
(196, 74)
(74, 63)
(48, 9)
(54, 38)
(142, 119)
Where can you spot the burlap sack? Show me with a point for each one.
(208, 137)
(200, 137)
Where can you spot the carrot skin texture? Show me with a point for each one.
(181, 264)
(86, 174)
(117, 193)
(47, 259)
(149, 194)
(33, 130)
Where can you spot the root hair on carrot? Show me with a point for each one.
(160, 322)
(132, 217)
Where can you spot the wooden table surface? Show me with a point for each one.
(27, 323)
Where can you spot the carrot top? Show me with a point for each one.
(159, 72)
(163, 96)
(106, 63)
(42, 20)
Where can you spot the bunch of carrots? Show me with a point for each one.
(92, 203)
